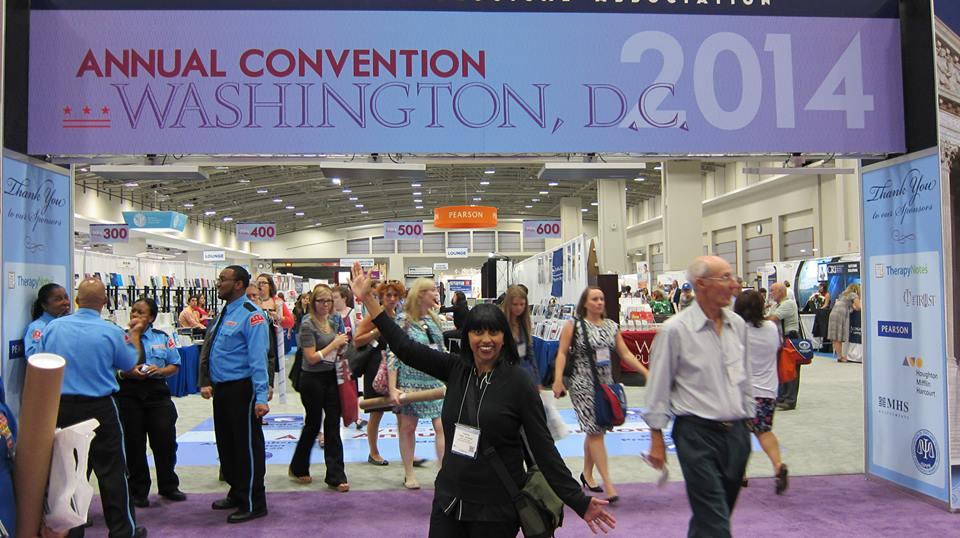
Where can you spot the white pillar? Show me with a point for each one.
(682, 214)
(612, 226)
(571, 218)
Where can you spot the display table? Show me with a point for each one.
(639, 342)
(184, 382)
(546, 353)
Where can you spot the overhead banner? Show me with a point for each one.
(556, 273)
(155, 220)
(37, 224)
(903, 328)
(656, 77)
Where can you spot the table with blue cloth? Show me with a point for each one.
(546, 352)
(184, 382)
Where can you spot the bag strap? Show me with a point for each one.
(591, 354)
(491, 454)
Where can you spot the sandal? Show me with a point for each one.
(381, 463)
(304, 480)
(783, 481)
(341, 488)
(420, 462)
(411, 484)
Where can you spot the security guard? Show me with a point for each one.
(147, 410)
(233, 371)
(94, 350)
(52, 302)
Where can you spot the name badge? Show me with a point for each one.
(331, 357)
(466, 440)
(522, 349)
(603, 356)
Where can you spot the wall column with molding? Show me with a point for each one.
(682, 213)
(571, 218)
(612, 226)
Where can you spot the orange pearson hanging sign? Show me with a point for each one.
(465, 216)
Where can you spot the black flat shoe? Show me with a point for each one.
(224, 504)
(141, 502)
(241, 516)
(175, 495)
(595, 489)
(140, 532)
(419, 462)
(614, 499)
(783, 481)
(372, 461)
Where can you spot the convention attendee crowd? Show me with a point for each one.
(713, 374)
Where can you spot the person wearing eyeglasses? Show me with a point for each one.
(700, 376)
(233, 372)
(322, 345)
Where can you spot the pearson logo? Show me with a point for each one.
(895, 329)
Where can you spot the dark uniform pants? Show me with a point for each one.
(443, 525)
(106, 458)
(147, 410)
(240, 443)
(713, 459)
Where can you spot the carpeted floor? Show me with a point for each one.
(844, 505)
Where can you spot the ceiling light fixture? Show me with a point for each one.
(347, 191)
(534, 199)
(594, 204)
(131, 184)
(477, 199)
(262, 191)
(291, 207)
(210, 213)
(353, 198)
(544, 193)
(489, 171)
(414, 185)
(364, 212)
(335, 180)
(417, 201)
(639, 178)
(418, 193)
(484, 183)
(552, 184)
(277, 200)
(359, 206)
(244, 180)
(528, 206)
(227, 219)
(419, 207)
(188, 204)
(299, 213)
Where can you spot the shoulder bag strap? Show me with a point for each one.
(491, 454)
(591, 354)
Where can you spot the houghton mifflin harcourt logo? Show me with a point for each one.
(926, 453)
(893, 407)
(904, 271)
(895, 329)
(925, 384)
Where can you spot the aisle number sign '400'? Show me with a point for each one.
(572, 82)
(253, 231)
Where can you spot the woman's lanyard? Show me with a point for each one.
(466, 439)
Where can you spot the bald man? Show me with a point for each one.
(700, 376)
(95, 350)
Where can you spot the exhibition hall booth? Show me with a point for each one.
(463, 143)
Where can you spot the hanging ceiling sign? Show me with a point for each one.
(158, 221)
(253, 231)
(465, 216)
(653, 77)
(403, 230)
(101, 234)
(541, 229)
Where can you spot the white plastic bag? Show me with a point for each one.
(854, 352)
(558, 428)
(69, 491)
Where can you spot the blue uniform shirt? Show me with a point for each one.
(239, 350)
(159, 349)
(31, 339)
(94, 349)
(8, 440)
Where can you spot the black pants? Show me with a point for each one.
(452, 333)
(146, 410)
(321, 403)
(240, 443)
(444, 526)
(106, 459)
(787, 392)
(713, 460)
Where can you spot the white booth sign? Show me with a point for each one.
(460, 252)
(441, 266)
(214, 255)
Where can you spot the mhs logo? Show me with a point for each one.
(893, 404)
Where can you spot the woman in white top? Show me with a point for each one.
(763, 345)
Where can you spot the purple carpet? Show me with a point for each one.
(845, 505)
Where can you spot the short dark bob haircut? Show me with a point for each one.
(151, 305)
(488, 317)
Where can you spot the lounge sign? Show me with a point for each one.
(608, 78)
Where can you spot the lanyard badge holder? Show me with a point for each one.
(466, 438)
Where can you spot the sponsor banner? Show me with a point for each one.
(465, 286)
(155, 220)
(458, 252)
(109, 233)
(214, 256)
(465, 216)
(541, 229)
(256, 231)
(556, 273)
(37, 225)
(403, 230)
(779, 8)
(425, 82)
(906, 391)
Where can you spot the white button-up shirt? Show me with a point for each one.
(695, 371)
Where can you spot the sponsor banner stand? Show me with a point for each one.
(37, 225)
(903, 331)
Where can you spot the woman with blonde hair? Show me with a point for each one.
(601, 342)
(838, 327)
(514, 306)
(419, 320)
(389, 294)
(319, 392)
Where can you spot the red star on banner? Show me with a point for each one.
(86, 109)
(105, 110)
(67, 110)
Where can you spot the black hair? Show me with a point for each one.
(43, 295)
(524, 288)
(489, 317)
(459, 297)
(749, 306)
(241, 274)
(151, 305)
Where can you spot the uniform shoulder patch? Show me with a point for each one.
(257, 319)
(250, 306)
(36, 335)
(170, 343)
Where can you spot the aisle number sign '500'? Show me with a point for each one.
(403, 230)
(250, 231)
